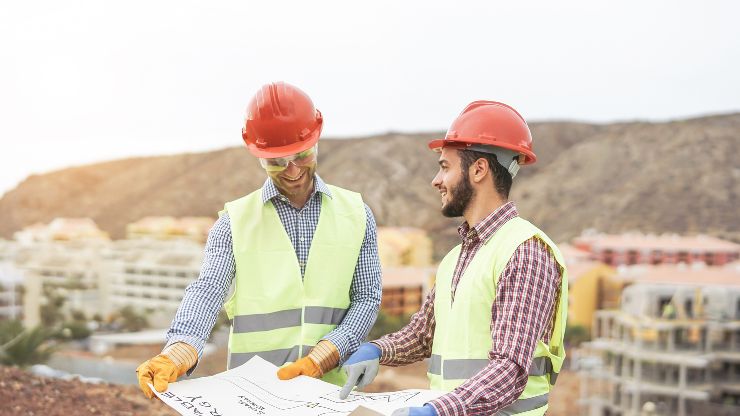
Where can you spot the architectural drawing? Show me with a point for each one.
(254, 389)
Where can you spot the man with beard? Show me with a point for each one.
(289, 307)
(493, 325)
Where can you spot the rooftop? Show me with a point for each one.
(728, 275)
(649, 242)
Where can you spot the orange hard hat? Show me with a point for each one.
(489, 123)
(281, 121)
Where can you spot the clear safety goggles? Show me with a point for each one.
(279, 164)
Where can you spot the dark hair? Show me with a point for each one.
(501, 176)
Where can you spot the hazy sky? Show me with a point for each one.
(85, 81)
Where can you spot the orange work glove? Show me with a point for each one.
(303, 367)
(322, 358)
(174, 361)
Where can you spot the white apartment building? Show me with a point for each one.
(69, 269)
(11, 291)
(151, 275)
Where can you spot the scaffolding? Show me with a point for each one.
(670, 350)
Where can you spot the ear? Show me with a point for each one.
(479, 170)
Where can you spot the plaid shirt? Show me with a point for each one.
(204, 297)
(522, 313)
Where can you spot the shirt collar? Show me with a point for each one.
(489, 225)
(269, 190)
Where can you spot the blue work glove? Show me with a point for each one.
(427, 410)
(361, 368)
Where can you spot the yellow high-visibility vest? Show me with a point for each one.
(462, 337)
(275, 313)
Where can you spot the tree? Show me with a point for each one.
(575, 335)
(24, 347)
(131, 320)
(51, 309)
(386, 324)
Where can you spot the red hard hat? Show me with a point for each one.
(281, 121)
(489, 123)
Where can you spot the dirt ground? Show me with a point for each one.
(24, 394)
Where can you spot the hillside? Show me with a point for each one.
(678, 176)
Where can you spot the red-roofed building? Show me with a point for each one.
(404, 289)
(635, 248)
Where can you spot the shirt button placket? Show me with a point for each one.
(299, 227)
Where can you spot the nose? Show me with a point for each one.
(292, 170)
(437, 180)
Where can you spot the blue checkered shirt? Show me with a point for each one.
(205, 296)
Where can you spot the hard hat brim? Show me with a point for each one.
(283, 151)
(438, 144)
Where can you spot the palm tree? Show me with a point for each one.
(24, 347)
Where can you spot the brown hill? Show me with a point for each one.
(678, 176)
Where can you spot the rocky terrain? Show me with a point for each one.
(24, 394)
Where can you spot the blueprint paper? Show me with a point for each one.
(254, 389)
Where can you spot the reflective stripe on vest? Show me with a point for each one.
(467, 368)
(524, 405)
(277, 357)
(288, 318)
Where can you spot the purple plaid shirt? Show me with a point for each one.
(522, 313)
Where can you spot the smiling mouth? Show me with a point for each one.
(295, 179)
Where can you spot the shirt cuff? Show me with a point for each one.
(387, 350)
(449, 405)
(341, 342)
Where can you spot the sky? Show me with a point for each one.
(89, 81)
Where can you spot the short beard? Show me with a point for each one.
(461, 195)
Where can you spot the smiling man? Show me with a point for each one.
(493, 325)
(302, 256)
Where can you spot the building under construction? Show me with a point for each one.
(669, 350)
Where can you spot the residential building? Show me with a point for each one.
(404, 246)
(11, 292)
(404, 289)
(636, 248)
(151, 276)
(62, 229)
(168, 228)
(406, 259)
(68, 270)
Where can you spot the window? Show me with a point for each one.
(632, 257)
(656, 257)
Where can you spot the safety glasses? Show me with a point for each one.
(279, 164)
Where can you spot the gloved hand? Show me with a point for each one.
(361, 368)
(303, 367)
(427, 410)
(174, 361)
(322, 359)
